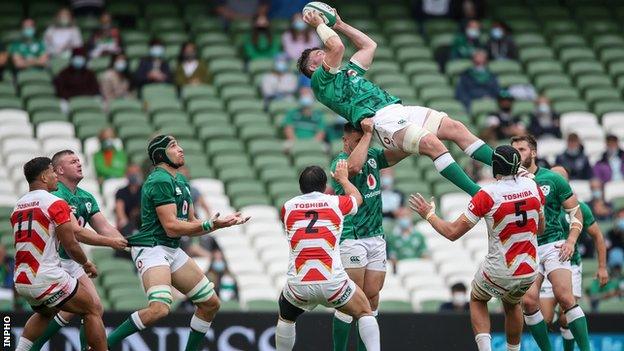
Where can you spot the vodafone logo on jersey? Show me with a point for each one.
(371, 182)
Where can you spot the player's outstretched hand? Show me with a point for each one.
(229, 220)
(119, 243)
(423, 207)
(603, 276)
(313, 18)
(367, 125)
(90, 269)
(341, 174)
(565, 251)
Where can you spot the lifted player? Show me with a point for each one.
(512, 208)
(85, 208)
(40, 222)
(167, 214)
(412, 129)
(362, 244)
(314, 223)
(547, 298)
(554, 250)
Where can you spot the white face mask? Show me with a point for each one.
(473, 33)
(458, 298)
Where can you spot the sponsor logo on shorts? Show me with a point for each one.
(56, 296)
(344, 296)
(354, 259)
(401, 121)
(545, 189)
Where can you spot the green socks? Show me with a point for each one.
(199, 328)
(53, 327)
(578, 326)
(341, 328)
(480, 151)
(130, 326)
(539, 330)
(449, 169)
(567, 338)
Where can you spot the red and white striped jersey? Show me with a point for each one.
(34, 220)
(511, 208)
(314, 223)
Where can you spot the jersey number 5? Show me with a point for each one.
(310, 228)
(521, 212)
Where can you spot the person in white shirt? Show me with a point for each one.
(63, 35)
(298, 38)
(280, 83)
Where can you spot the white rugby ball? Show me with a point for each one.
(327, 12)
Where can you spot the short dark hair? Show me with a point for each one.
(302, 63)
(528, 138)
(57, 156)
(350, 128)
(34, 168)
(458, 287)
(312, 178)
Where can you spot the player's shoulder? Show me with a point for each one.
(158, 176)
(181, 178)
(341, 156)
(584, 206)
(83, 193)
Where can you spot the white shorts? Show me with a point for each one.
(510, 290)
(546, 291)
(369, 253)
(72, 268)
(51, 289)
(548, 255)
(393, 118)
(334, 294)
(147, 257)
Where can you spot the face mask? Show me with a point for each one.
(620, 224)
(479, 68)
(64, 21)
(28, 32)
(574, 151)
(299, 25)
(543, 108)
(218, 266)
(78, 62)
(597, 194)
(135, 179)
(497, 33)
(386, 182)
(473, 33)
(120, 66)
(108, 144)
(190, 57)
(404, 223)
(157, 51)
(459, 298)
(281, 66)
(306, 101)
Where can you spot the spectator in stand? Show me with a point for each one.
(611, 164)
(304, 122)
(391, 199)
(154, 68)
(228, 291)
(4, 59)
(279, 84)
(128, 202)
(202, 210)
(109, 161)
(241, 10)
(467, 42)
(613, 289)
(503, 124)
(63, 35)
(76, 79)
(218, 267)
(544, 121)
(191, 70)
(261, 43)
(299, 37)
(106, 40)
(615, 238)
(501, 45)
(6, 274)
(602, 210)
(28, 51)
(405, 241)
(115, 82)
(477, 82)
(459, 299)
(574, 160)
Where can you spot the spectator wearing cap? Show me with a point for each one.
(28, 51)
(76, 79)
(191, 70)
(611, 164)
(544, 122)
(106, 40)
(477, 81)
(501, 45)
(574, 159)
(459, 299)
(503, 124)
(280, 83)
(467, 42)
(261, 43)
(62, 36)
(298, 37)
(154, 68)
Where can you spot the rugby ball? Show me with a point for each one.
(327, 12)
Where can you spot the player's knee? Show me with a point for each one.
(211, 306)
(158, 310)
(566, 301)
(529, 304)
(431, 146)
(98, 308)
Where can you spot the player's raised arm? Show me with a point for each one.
(450, 230)
(341, 174)
(334, 48)
(359, 154)
(175, 228)
(365, 45)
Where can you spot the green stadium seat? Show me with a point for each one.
(115, 279)
(306, 147)
(115, 265)
(397, 26)
(390, 79)
(120, 105)
(537, 68)
(45, 116)
(220, 146)
(230, 79)
(191, 92)
(282, 174)
(535, 54)
(245, 188)
(256, 131)
(609, 55)
(36, 90)
(238, 92)
(209, 132)
(600, 108)
(249, 200)
(523, 25)
(33, 75)
(157, 91)
(128, 304)
(420, 67)
(211, 38)
(567, 41)
(84, 103)
(607, 41)
(308, 160)
(483, 106)
(507, 80)
(179, 130)
(616, 68)
(123, 8)
(504, 66)
(134, 132)
(568, 55)
(164, 105)
(449, 106)
(248, 105)
(578, 68)
(436, 26)
(592, 81)
(194, 159)
(266, 147)
(570, 106)
(43, 104)
(246, 118)
(283, 188)
(560, 27)
(10, 102)
(562, 93)
(457, 66)
(123, 293)
(226, 65)
(89, 129)
(164, 117)
(433, 93)
(385, 67)
(408, 40)
(524, 40)
(552, 12)
(129, 117)
(392, 11)
(234, 173)
(612, 305)
(441, 40)
(224, 160)
(281, 106)
(543, 81)
(593, 95)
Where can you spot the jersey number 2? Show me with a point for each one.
(521, 212)
(310, 228)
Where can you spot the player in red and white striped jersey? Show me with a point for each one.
(40, 222)
(314, 223)
(512, 208)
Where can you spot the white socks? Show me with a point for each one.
(284, 336)
(137, 320)
(369, 333)
(23, 344)
(566, 334)
(470, 149)
(484, 341)
(200, 325)
(343, 317)
(574, 313)
(513, 347)
(535, 318)
(443, 161)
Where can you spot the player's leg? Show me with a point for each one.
(457, 132)
(547, 306)
(374, 276)
(285, 332)
(561, 280)
(566, 334)
(359, 308)
(191, 281)
(480, 294)
(533, 316)
(34, 327)
(513, 325)
(84, 304)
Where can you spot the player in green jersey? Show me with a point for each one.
(547, 299)
(86, 210)
(167, 214)
(554, 250)
(412, 129)
(362, 244)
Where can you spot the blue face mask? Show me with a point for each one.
(404, 223)
(28, 32)
(281, 66)
(620, 224)
(597, 194)
(218, 266)
(78, 62)
(299, 25)
(473, 33)
(306, 101)
(497, 33)
(157, 51)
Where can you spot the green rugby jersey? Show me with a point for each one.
(349, 94)
(588, 220)
(367, 222)
(161, 188)
(556, 190)
(82, 204)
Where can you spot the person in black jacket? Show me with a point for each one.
(154, 68)
(544, 121)
(501, 45)
(459, 299)
(574, 160)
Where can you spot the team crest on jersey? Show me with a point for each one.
(73, 209)
(372, 162)
(178, 191)
(371, 182)
(545, 189)
(351, 73)
(88, 206)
